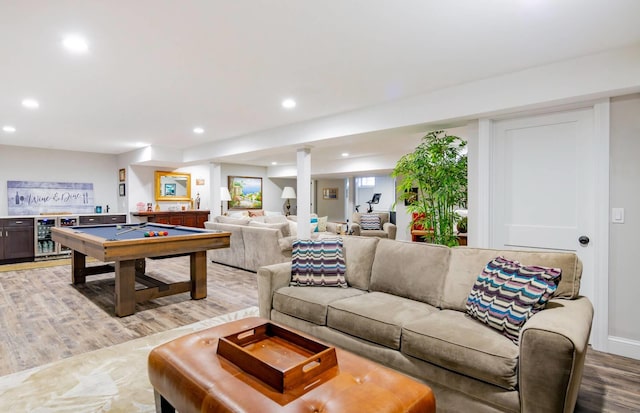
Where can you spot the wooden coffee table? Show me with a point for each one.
(189, 375)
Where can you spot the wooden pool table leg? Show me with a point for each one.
(198, 274)
(125, 287)
(78, 267)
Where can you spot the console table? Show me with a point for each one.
(190, 218)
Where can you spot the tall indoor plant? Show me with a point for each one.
(438, 169)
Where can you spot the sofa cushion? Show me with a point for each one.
(322, 223)
(293, 228)
(238, 214)
(413, 270)
(374, 233)
(283, 227)
(466, 263)
(376, 317)
(359, 253)
(286, 243)
(318, 263)
(275, 219)
(310, 304)
(229, 220)
(256, 213)
(506, 294)
(454, 341)
(370, 221)
(314, 224)
(274, 214)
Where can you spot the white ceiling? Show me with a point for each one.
(158, 68)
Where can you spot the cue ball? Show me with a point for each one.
(118, 226)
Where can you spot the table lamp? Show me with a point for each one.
(224, 196)
(288, 193)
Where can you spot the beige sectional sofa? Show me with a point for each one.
(252, 243)
(256, 241)
(405, 308)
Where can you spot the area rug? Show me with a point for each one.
(112, 379)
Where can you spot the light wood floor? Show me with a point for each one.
(44, 318)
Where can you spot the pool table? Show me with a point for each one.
(128, 245)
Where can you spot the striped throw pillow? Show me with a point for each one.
(506, 294)
(318, 263)
(370, 221)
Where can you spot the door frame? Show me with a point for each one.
(480, 203)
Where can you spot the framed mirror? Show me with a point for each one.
(173, 186)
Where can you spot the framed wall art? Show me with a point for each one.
(246, 192)
(329, 193)
(121, 190)
(122, 175)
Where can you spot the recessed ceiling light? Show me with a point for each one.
(274, 163)
(30, 103)
(8, 128)
(198, 130)
(288, 103)
(345, 154)
(75, 43)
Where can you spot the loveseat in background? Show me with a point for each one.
(405, 308)
(386, 229)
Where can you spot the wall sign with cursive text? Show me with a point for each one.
(33, 197)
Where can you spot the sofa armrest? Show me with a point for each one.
(270, 278)
(286, 243)
(553, 346)
(262, 247)
(390, 229)
(355, 229)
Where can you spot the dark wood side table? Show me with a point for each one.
(189, 218)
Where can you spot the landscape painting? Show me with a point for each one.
(246, 192)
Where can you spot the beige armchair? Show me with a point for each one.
(386, 230)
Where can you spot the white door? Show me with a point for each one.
(543, 174)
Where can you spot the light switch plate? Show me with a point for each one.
(617, 215)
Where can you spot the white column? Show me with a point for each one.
(215, 177)
(351, 203)
(479, 186)
(303, 190)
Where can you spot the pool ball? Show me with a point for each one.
(152, 234)
(146, 234)
(165, 233)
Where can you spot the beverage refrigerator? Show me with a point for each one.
(44, 245)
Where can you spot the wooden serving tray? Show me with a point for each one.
(277, 356)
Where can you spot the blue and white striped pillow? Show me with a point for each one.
(370, 221)
(318, 263)
(507, 293)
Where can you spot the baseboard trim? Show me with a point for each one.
(624, 347)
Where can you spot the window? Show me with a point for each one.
(366, 182)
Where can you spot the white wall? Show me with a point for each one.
(50, 165)
(271, 187)
(332, 208)
(624, 282)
